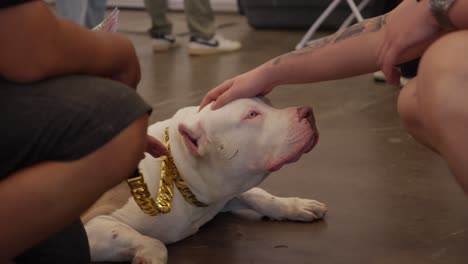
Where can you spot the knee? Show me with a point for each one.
(439, 66)
(116, 125)
(441, 84)
(443, 71)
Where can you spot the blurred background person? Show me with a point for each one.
(201, 23)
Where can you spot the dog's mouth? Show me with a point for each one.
(307, 146)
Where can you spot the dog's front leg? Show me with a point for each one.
(112, 240)
(278, 208)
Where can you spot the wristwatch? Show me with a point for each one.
(440, 9)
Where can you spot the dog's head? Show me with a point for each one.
(245, 138)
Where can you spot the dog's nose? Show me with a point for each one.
(306, 113)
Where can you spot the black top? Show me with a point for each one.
(7, 3)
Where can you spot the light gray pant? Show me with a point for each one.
(88, 13)
(198, 13)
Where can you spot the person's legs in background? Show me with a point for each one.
(201, 24)
(161, 28)
(203, 37)
(200, 19)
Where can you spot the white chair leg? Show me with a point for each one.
(356, 13)
(350, 18)
(317, 24)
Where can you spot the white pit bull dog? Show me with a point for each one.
(221, 156)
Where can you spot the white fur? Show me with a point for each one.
(234, 153)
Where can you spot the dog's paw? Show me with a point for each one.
(305, 210)
(154, 253)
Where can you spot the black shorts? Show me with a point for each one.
(61, 119)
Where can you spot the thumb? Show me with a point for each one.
(155, 148)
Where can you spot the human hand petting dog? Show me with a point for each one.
(402, 34)
(250, 84)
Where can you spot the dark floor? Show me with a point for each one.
(390, 200)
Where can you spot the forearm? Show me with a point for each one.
(37, 45)
(347, 53)
(350, 52)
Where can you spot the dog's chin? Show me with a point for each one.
(306, 147)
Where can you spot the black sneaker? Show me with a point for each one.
(163, 42)
(217, 44)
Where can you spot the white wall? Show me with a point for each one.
(218, 5)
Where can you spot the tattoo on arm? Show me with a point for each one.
(366, 26)
(351, 31)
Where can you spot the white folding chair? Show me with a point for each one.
(356, 13)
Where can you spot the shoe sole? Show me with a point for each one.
(209, 51)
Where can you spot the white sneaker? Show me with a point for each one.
(163, 42)
(379, 76)
(217, 44)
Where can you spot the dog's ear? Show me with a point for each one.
(193, 136)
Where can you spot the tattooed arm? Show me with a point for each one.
(356, 50)
(346, 53)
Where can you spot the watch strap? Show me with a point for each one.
(440, 9)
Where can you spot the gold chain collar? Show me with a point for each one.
(169, 177)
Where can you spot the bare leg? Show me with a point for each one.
(47, 196)
(434, 107)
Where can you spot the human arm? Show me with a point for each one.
(350, 52)
(37, 45)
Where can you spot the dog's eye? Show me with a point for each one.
(252, 114)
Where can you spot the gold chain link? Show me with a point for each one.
(169, 177)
